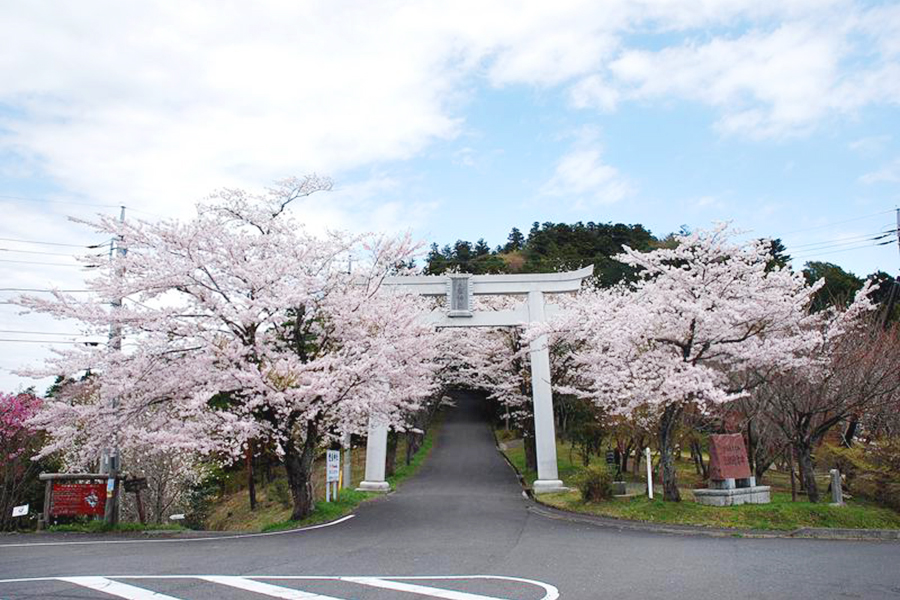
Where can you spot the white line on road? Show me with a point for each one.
(266, 589)
(172, 540)
(116, 588)
(389, 582)
(417, 589)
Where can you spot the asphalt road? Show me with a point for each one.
(463, 527)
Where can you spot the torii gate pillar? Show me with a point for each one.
(459, 289)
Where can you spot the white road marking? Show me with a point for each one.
(413, 588)
(389, 582)
(174, 540)
(266, 589)
(116, 588)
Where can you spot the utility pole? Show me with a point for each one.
(110, 463)
(892, 300)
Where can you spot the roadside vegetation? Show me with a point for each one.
(781, 514)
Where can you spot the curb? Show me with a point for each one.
(819, 533)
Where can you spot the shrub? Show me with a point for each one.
(595, 484)
(281, 493)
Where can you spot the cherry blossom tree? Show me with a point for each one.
(700, 312)
(17, 444)
(240, 325)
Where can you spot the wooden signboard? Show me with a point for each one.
(71, 499)
(728, 457)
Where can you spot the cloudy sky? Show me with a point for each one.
(452, 119)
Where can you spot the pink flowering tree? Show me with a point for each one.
(18, 442)
(701, 316)
(241, 326)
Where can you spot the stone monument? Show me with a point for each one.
(730, 481)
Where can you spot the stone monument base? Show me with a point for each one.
(548, 486)
(757, 494)
(381, 487)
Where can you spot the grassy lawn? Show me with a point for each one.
(98, 526)
(233, 513)
(780, 514)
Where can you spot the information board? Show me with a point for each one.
(332, 465)
(70, 499)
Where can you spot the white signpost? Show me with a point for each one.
(459, 291)
(20, 511)
(332, 474)
(649, 473)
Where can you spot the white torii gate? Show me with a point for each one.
(459, 290)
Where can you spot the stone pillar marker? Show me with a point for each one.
(376, 453)
(837, 493)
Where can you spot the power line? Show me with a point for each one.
(42, 291)
(50, 342)
(38, 332)
(37, 262)
(91, 246)
(37, 252)
(47, 200)
(72, 202)
(826, 225)
(854, 239)
(815, 254)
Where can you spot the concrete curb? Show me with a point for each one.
(535, 506)
(820, 533)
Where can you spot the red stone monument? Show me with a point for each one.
(728, 457)
(730, 479)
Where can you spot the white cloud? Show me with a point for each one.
(889, 173)
(584, 179)
(870, 144)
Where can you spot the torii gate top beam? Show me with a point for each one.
(459, 288)
(521, 284)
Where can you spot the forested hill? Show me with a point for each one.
(549, 247)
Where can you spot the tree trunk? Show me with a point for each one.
(298, 463)
(850, 432)
(793, 475)
(623, 467)
(667, 426)
(251, 480)
(804, 456)
(697, 452)
(390, 460)
(530, 452)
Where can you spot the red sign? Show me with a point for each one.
(78, 499)
(728, 457)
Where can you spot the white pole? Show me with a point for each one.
(649, 473)
(542, 401)
(376, 453)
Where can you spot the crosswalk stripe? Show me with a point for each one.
(266, 589)
(417, 589)
(116, 588)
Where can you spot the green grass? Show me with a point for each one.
(780, 514)
(99, 526)
(324, 511)
(349, 499)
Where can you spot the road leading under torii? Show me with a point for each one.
(459, 530)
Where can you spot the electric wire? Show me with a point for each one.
(47, 200)
(832, 224)
(90, 246)
(18, 331)
(853, 239)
